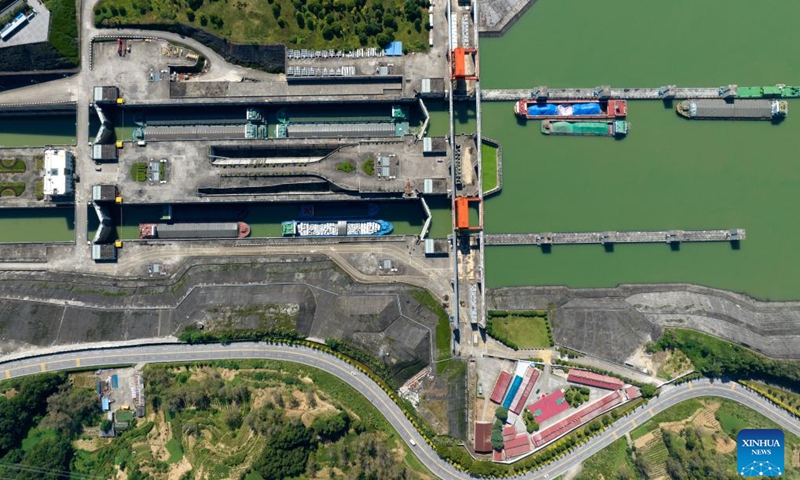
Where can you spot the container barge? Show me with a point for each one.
(597, 129)
(570, 109)
(187, 231)
(770, 91)
(737, 110)
(340, 228)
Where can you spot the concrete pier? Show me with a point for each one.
(658, 93)
(609, 238)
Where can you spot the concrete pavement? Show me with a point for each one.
(670, 396)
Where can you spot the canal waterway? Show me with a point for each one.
(265, 219)
(37, 130)
(670, 173)
(53, 224)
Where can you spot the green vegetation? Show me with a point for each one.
(497, 435)
(716, 358)
(611, 462)
(314, 24)
(520, 329)
(346, 167)
(192, 334)
(679, 412)
(501, 414)
(38, 189)
(489, 167)
(369, 166)
(443, 331)
(786, 399)
(676, 363)
(64, 29)
(12, 165)
(683, 451)
(39, 162)
(139, 172)
(11, 189)
(576, 396)
(39, 417)
(531, 425)
(248, 425)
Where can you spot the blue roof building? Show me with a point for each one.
(395, 49)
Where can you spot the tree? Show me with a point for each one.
(497, 437)
(649, 390)
(301, 20)
(286, 453)
(501, 413)
(105, 425)
(331, 428)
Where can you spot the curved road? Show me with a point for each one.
(251, 350)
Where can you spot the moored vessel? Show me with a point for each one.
(737, 110)
(340, 228)
(597, 129)
(188, 231)
(570, 109)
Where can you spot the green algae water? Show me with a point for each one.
(670, 173)
(37, 131)
(52, 224)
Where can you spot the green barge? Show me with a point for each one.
(595, 129)
(772, 91)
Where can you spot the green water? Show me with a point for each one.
(55, 224)
(37, 131)
(669, 173)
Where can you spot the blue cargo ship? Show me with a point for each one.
(340, 228)
(570, 109)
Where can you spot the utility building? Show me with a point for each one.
(58, 170)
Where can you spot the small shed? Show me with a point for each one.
(104, 193)
(106, 94)
(436, 247)
(434, 146)
(104, 253)
(104, 152)
(395, 49)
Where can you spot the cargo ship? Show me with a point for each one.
(340, 228)
(339, 210)
(737, 110)
(570, 109)
(597, 129)
(189, 231)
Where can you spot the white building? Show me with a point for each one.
(58, 169)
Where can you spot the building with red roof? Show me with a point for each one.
(517, 446)
(500, 387)
(509, 432)
(592, 379)
(548, 406)
(577, 419)
(632, 392)
(528, 381)
(483, 437)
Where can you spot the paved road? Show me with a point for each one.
(181, 353)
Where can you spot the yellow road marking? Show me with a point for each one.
(8, 374)
(733, 385)
(633, 422)
(615, 435)
(650, 411)
(43, 367)
(77, 362)
(690, 386)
